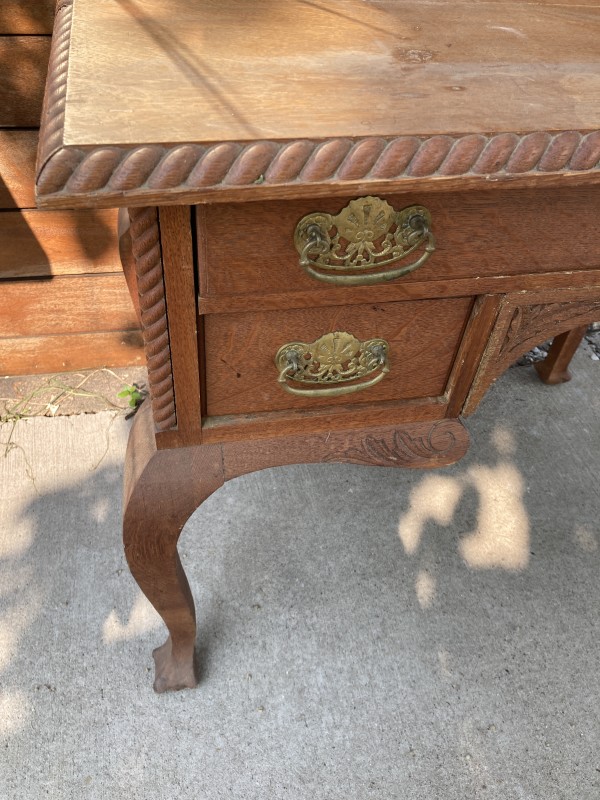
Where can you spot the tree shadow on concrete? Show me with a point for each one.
(399, 630)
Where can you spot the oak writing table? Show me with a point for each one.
(341, 220)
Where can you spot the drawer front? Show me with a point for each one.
(421, 340)
(249, 248)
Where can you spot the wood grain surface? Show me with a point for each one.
(161, 490)
(23, 66)
(43, 243)
(33, 355)
(18, 151)
(180, 288)
(249, 248)
(36, 245)
(420, 445)
(26, 16)
(89, 304)
(241, 376)
(275, 424)
(481, 323)
(506, 96)
(395, 291)
(321, 70)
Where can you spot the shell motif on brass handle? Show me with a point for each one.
(332, 365)
(350, 248)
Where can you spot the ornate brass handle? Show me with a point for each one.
(366, 235)
(334, 358)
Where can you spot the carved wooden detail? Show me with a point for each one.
(186, 168)
(164, 487)
(53, 112)
(529, 325)
(521, 327)
(145, 241)
(110, 173)
(411, 444)
(441, 441)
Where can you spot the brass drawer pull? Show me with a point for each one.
(367, 234)
(334, 358)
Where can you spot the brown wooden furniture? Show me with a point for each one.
(293, 310)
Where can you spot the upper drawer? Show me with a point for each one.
(249, 248)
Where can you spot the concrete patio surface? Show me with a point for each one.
(364, 633)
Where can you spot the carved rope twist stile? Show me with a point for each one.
(145, 240)
(144, 230)
(53, 112)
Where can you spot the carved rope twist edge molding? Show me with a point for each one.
(145, 241)
(53, 110)
(189, 167)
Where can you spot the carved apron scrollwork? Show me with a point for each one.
(403, 449)
(520, 327)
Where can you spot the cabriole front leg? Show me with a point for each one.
(162, 489)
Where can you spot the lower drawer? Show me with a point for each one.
(422, 339)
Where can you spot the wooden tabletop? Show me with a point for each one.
(261, 94)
